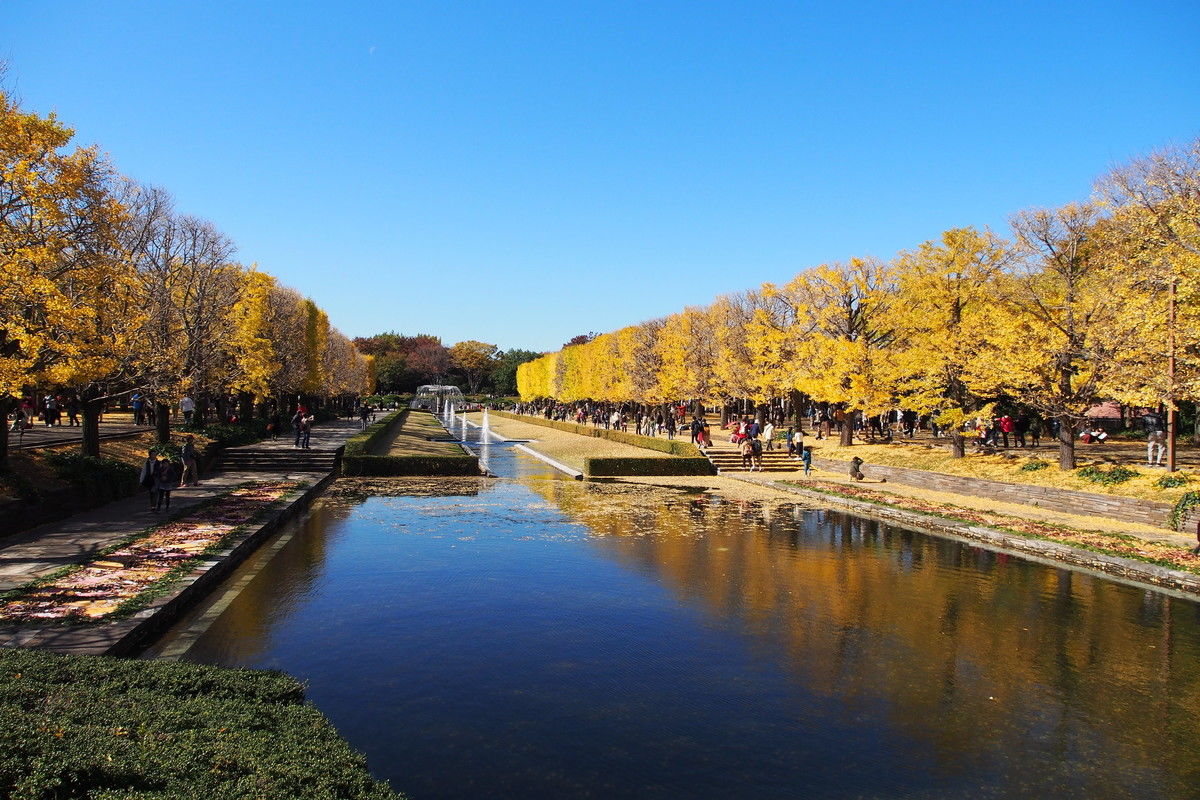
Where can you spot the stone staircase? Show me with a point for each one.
(278, 459)
(727, 459)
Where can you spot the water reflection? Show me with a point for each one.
(974, 653)
(547, 638)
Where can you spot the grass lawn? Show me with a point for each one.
(412, 438)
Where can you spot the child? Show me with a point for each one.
(806, 459)
(747, 451)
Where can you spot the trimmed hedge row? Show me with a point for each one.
(394, 466)
(84, 727)
(358, 461)
(673, 447)
(361, 443)
(101, 478)
(607, 466)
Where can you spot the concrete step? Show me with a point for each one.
(772, 461)
(278, 460)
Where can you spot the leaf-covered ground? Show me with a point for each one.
(103, 585)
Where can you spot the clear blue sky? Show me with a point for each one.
(520, 172)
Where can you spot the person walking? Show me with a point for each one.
(747, 451)
(756, 450)
(191, 468)
(274, 423)
(1006, 427)
(806, 459)
(188, 406)
(769, 435)
(306, 429)
(298, 424)
(147, 477)
(166, 476)
(789, 439)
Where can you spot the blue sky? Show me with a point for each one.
(523, 172)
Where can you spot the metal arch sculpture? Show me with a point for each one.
(435, 397)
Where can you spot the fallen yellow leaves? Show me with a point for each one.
(99, 587)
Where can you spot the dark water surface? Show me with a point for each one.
(534, 637)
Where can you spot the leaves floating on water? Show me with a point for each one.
(359, 489)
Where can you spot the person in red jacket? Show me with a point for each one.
(1006, 427)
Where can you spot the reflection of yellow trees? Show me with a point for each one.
(963, 646)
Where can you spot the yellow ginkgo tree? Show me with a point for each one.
(944, 315)
(845, 360)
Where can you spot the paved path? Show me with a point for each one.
(42, 436)
(38, 551)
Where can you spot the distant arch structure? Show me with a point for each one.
(434, 397)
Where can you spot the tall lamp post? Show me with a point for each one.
(1172, 414)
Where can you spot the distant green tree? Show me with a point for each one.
(504, 376)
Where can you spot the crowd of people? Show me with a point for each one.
(49, 411)
(1020, 428)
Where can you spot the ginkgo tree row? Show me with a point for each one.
(1095, 300)
(108, 290)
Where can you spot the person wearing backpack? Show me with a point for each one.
(756, 450)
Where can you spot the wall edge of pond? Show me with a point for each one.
(1127, 570)
(209, 575)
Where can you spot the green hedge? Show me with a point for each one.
(607, 466)
(675, 447)
(362, 443)
(102, 478)
(231, 434)
(383, 466)
(87, 727)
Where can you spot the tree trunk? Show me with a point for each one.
(6, 406)
(958, 444)
(245, 407)
(724, 414)
(1066, 443)
(847, 433)
(91, 426)
(162, 422)
(797, 416)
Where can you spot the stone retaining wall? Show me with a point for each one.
(1127, 509)
(1126, 568)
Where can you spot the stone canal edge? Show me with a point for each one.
(1056, 553)
(128, 636)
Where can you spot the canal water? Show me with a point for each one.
(530, 636)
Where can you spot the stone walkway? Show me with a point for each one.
(41, 550)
